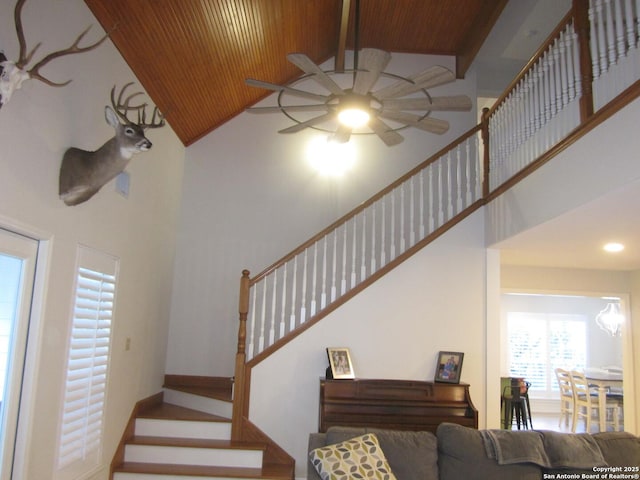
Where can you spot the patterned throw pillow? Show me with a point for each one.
(358, 458)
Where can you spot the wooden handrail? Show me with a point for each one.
(365, 204)
(536, 56)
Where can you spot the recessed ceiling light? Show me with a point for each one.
(613, 247)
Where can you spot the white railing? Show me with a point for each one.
(614, 43)
(287, 295)
(539, 111)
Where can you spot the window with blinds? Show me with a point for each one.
(81, 428)
(541, 342)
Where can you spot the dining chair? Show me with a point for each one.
(567, 400)
(586, 403)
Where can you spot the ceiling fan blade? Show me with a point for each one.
(433, 125)
(341, 135)
(291, 91)
(371, 63)
(431, 77)
(289, 108)
(305, 64)
(309, 123)
(389, 136)
(450, 103)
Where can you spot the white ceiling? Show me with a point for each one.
(575, 239)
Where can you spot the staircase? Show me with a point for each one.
(185, 433)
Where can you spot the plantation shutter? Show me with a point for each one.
(88, 358)
(541, 342)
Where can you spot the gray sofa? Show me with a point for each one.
(461, 453)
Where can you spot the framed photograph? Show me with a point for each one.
(449, 367)
(340, 362)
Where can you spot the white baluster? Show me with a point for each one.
(272, 320)
(619, 27)
(335, 266)
(353, 253)
(294, 285)
(632, 39)
(263, 315)
(392, 253)
(421, 204)
(314, 280)
(303, 300)
(363, 265)
(412, 228)
(602, 47)
(611, 42)
(467, 166)
(432, 214)
(440, 194)
(283, 301)
(252, 323)
(383, 232)
(556, 79)
(576, 72)
(459, 186)
(402, 234)
(343, 283)
(323, 296)
(373, 239)
(593, 43)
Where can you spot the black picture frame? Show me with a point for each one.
(449, 367)
(340, 363)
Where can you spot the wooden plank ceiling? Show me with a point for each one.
(192, 56)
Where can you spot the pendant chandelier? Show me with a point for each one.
(610, 319)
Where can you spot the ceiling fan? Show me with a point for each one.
(362, 100)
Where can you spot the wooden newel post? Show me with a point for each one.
(581, 26)
(486, 187)
(240, 374)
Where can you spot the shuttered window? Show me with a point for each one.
(88, 359)
(541, 342)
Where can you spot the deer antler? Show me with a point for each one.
(26, 58)
(121, 107)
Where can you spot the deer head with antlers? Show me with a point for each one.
(13, 74)
(83, 173)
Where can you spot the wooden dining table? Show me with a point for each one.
(603, 380)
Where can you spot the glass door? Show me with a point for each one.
(17, 269)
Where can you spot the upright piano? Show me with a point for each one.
(394, 404)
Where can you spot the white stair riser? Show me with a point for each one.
(196, 402)
(193, 456)
(182, 429)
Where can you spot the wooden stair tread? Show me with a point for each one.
(215, 393)
(167, 411)
(194, 442)
(275, 472)
(219, 388)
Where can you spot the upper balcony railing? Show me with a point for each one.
(588, 61)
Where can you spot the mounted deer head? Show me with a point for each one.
(13, 74)
(83, 173)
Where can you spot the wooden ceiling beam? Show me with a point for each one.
(342, 37)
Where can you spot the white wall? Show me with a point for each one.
(394, 330)
(598, 163)
(250, 197)
(36, 127)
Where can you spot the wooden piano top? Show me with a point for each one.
(394, 404)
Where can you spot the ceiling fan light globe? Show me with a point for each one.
(353, 117)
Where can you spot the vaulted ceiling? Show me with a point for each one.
(193, 56)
